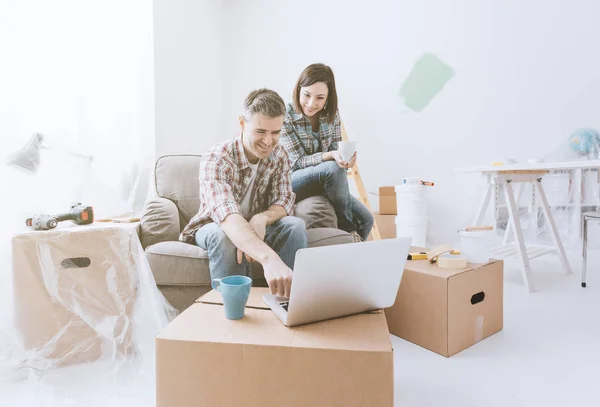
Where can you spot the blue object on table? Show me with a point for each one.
(235, 291)
(585, 142)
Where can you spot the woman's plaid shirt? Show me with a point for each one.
(302, 147)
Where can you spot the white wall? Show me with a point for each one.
(81, 74)
(188, 75)
(526, 76)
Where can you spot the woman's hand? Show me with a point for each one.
(335, 155)
(352, 161)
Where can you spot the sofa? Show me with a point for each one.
(180, 269)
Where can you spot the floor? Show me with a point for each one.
(548, 355)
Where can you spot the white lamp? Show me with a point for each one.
(28, 158)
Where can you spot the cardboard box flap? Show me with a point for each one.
(254, 300)
(384, 191)
(387, 191)
(206, 322)
(423, 266)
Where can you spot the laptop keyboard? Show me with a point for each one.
(284, 305)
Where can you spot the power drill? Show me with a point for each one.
(79, 214)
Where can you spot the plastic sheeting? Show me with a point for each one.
(81, 311)
(570, 193)
(114, 188)
(85, 313)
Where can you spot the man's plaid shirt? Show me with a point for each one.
(302, 147)
(224, 177)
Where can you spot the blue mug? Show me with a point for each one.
(235, 291)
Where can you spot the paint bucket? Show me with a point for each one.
(411, 201)
(476, 245)
(416, 228)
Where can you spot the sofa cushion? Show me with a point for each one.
(176, 178)
(159, 222)
(327, 237)
(178, 263)
(317, 212)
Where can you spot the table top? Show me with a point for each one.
(526, 166)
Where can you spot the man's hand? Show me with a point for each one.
(259, 225)
(278, 276)
(244, 236)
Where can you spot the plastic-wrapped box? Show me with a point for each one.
(74, 292)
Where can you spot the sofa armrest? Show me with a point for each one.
(159, 222)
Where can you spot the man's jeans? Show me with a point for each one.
(285, 237)
(330, 180)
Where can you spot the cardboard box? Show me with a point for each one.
(204, 359)
(447, 311)
(75, 289)
(387, 201)
(386, 225)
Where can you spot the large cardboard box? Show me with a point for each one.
(387, 201)
(204, 359)
(447, 311)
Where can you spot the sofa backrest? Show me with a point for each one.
(176, 179)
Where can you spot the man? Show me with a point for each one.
(246, 199)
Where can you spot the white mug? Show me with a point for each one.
(347, 149)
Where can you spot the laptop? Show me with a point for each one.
(341, 280)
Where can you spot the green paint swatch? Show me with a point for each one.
(427, 78)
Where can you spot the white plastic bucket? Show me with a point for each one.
(476, 246)
(416, 228)
(411, 201)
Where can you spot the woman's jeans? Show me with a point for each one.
(330, 180)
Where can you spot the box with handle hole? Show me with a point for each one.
(447, 310)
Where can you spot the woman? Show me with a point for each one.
(311, 132)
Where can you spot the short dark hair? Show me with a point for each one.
(264, 101)
(318, 73)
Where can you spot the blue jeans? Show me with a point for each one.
(285, 237)
(330, 180)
